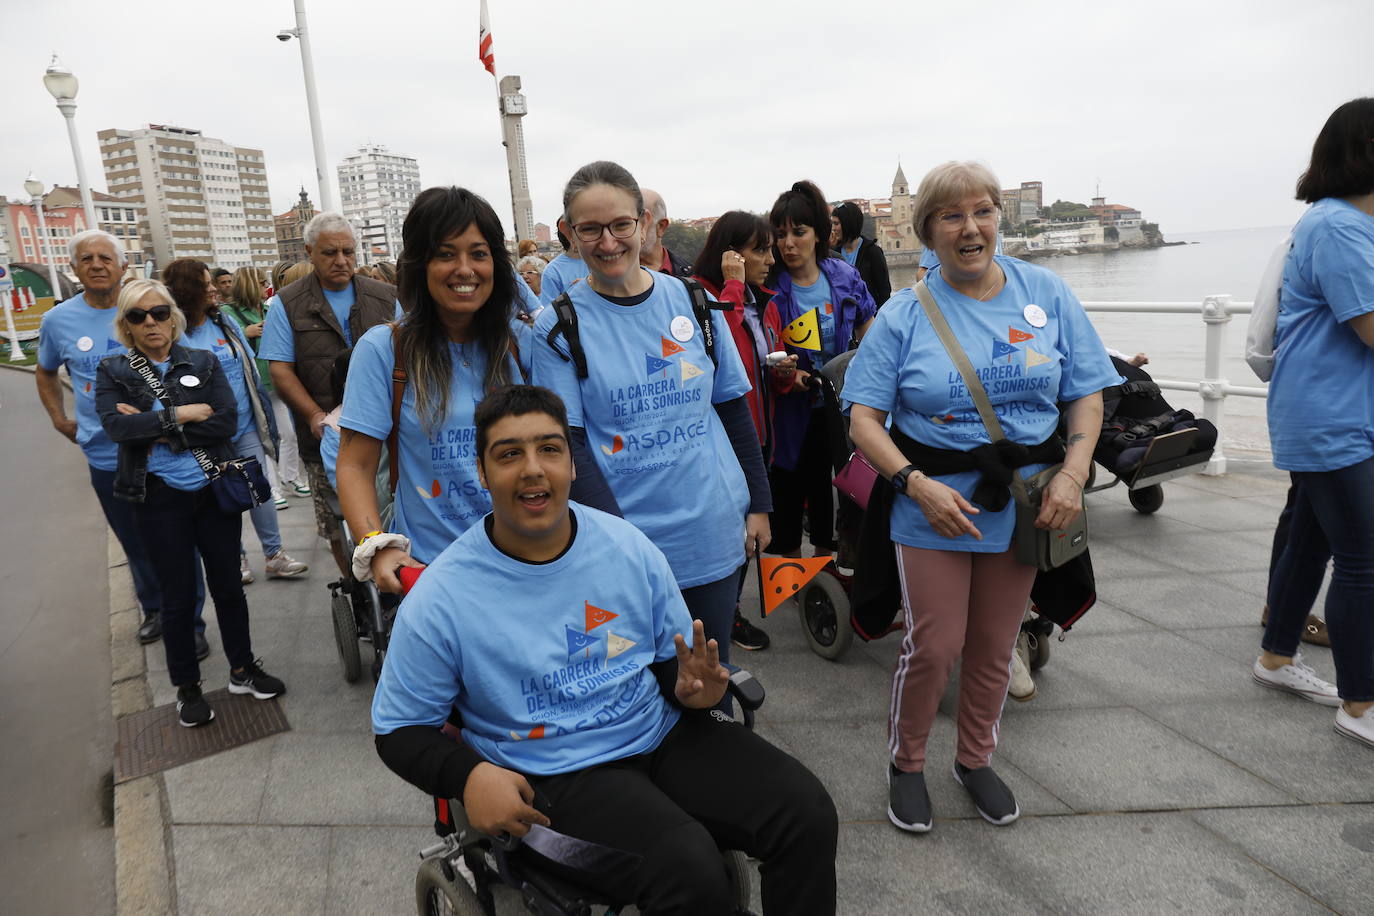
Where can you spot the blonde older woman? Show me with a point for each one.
(159, 401)
(964, 593)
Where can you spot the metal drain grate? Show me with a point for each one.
(153, 740)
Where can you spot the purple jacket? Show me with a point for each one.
(853, 307)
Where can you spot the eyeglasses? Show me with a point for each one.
(160, 314)
(621, 228)
(955, 218)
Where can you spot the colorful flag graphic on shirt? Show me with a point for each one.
(654, 365)
(616, 445)
(596, 616)
(689, 370)
(616, 645)
(577, 640)
(1001, 349)
(805, 331)
(1017, 336)
(670, 347)
(1034, 358)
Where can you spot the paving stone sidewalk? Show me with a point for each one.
(1153, 775)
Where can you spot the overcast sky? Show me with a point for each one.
(1199, 113)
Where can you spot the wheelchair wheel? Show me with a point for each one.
(1039, 645)
(1147, 499)
(824, 608)
(438, 895)
(737, 864)
(346, 636)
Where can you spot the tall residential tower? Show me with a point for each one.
(376, 188)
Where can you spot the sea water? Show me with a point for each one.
(1210, 263)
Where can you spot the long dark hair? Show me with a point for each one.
(1343, 157)
(734, 231)
(436, 215)
(185, 279)
(802, 205)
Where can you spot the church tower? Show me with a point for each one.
(902, 212)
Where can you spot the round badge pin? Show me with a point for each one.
(190, 381)
(681, 328)
(1035, 316)
(85, 344)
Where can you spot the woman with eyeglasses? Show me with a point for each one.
(662, 431)
(963, 591)
(531, 268)
(163, 402)
(827, 306)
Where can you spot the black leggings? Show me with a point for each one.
(806, 488)
(712, 784)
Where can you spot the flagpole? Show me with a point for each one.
(758, 567)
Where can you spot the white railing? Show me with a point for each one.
(1216, 312)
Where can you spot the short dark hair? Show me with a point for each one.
(735, 230)
(220, 272)
(1343, 157)
(516, 401)
(851, 221)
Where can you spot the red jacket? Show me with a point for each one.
(760, 400)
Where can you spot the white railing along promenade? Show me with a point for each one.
(1214, 387)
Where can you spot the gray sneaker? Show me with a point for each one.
(989, 793)
(281, 566)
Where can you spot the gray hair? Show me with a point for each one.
(944, 185)
(130, 295)
(537, 263)
(601, 172)
(657, 206)
(91, 235)
(328, 222)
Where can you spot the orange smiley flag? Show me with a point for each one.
(804, 332)
(782, 577)
(596, 616)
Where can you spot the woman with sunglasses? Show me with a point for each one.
(162, 402)
(209, 327)
(657, 418)
(831, 307)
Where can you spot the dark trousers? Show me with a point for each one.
(175, 524)
(805, 488)
(1332, 511)
(713, 603)
(119, 514)
(712, 784)
(1308, 567)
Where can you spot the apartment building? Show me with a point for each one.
(376, 189)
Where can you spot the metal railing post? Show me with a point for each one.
(1216, 314)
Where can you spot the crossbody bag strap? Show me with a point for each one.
(139, 363)
(971, 380)
(399, 376)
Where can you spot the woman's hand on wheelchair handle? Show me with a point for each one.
(384, 565)
(1061, 503)
(499, 801)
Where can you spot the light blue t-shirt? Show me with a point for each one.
(78, 336)
(647, 407)
(850, 257)
(526, 301)
(207, 336)
(818, 296)
(547, 662)
(438, 494)
(1032, 345)
(278, 341)
(329, 452)
(558, 275)
(1321, 395)
(179, 470)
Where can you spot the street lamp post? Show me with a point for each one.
(63, 85)
(34, 187)
(312, 103)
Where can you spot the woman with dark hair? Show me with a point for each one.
(733, 266)
(210, 328)
(456, 343)
(827, 306)
(1321, 425)
(859, 252)
(665, 414)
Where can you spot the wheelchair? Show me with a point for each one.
(358, 610)
(442, 888)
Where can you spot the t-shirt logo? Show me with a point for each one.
(670, 347)
(689, 370)
(616, 445)
(654, 365)
(583, 640)
(1001, 349)
(1016, 335)
(434, 491)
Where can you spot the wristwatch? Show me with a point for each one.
(899, 479)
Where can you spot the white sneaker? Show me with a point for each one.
(1021, 686)
(279, 501)
(281, 566)
(1297, 678)
(1361, 728)
(245, 571)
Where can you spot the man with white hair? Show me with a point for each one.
(78, 334)
(653, 254)
(311, 322)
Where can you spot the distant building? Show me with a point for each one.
(542, 233)
(290, 228)
(892, 218)
(64, 216)
(1114, 214)
(196, 196)
(376, 188)
(1023, 204)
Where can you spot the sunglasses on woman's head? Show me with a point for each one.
(160, 314)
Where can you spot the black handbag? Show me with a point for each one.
(239, 483)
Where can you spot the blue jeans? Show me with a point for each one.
(1331, 511)
(175, 524)
(119, 513)
(264, 516)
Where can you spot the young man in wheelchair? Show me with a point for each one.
(556, 631)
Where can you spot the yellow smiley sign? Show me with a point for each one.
(804, 332)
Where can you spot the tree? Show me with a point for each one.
(1067, 209)
(685, 240)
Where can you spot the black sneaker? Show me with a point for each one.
(989, 793)
(192, 710)
(908, 802)
(252, 679)
(747, 636)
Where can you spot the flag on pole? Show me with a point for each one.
(484, 52)
(782, 577)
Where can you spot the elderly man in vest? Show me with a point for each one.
(308, 325)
